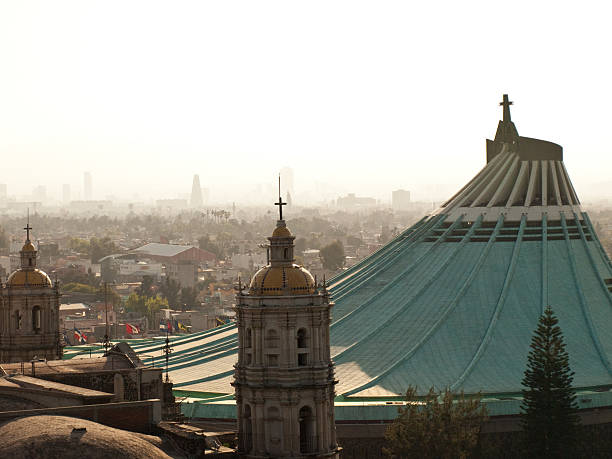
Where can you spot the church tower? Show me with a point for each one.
(29, 312)
(284, 378)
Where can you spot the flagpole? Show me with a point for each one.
(106, 337)
(167, 351)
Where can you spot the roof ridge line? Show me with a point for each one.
(544, 293)
(467, 185)
(415, 238)
(591, 259)
(583, 303)
(353, 269)
(498, 308)
(600, 248)
(397, 279)
(480, 180)
(380, 254)
(493, 185)
(444, 314)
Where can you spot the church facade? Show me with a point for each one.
(284, 377)
(29, 312)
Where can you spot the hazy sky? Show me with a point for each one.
(361, 96)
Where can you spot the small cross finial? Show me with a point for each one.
(506, 104)
(28, 227)
(280, 202)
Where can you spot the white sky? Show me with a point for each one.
(362, 96)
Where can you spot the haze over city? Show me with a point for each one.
(354, 98)
(247, 229)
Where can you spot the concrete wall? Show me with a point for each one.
(138, 384)
(139, 416)
(50, 398)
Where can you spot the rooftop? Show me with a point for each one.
(162, 250)
(97, 363)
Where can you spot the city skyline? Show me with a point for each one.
(233, 93)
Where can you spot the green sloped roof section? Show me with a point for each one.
(461, 315)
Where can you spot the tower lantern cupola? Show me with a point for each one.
(28, 251)
(281, 276)
(281, 245)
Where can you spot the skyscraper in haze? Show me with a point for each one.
(65, 193)
(39, 193)
(287, 180)
(87, 187)
(3, 192)
(400, 200)
(196, 193)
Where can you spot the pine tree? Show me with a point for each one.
(549, 410)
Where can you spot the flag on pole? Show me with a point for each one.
(132, 329)
(79, 337)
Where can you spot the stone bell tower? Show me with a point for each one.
(29, 312)
(284, 378)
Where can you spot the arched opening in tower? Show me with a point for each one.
(302, 344)
(307, 438)
(36, 318)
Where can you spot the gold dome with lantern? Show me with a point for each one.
(28, 275)
(285, 280)
(282, 276)
(28, 278)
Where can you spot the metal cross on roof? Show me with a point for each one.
(506, 104)
(28, 228)
(280, 202)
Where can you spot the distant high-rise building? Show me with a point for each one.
(87, 186)
(400, 200)
(39, 193)
(196, 193)
(65, 193)
(3, 192)
(287, 180)
(352, 201)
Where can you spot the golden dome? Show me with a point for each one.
(281, 231)
(282, 280)
(28, 247)
(29, 278)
